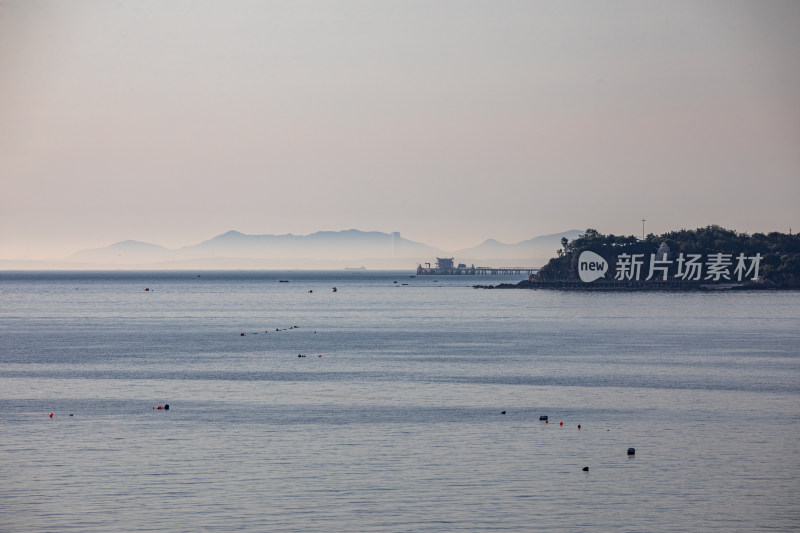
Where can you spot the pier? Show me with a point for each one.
(445, 267)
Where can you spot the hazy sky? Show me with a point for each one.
(448, 121)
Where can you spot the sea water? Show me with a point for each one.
(392, 419)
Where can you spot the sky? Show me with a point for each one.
(448, 121)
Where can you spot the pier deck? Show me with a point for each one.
(476, 271)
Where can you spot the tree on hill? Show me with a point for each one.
(779, 252)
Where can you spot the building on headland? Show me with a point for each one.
(445, 266)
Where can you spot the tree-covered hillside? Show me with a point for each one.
(773, 258)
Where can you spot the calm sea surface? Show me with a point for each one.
(392, 420)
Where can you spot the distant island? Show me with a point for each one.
(710, 258)
(322, 250)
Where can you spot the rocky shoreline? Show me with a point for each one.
(575, 285)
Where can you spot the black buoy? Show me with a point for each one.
(503, 413)
(631, 451)
(543, 417)
(585, 468)
(166, 407)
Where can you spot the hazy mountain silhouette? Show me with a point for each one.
(323, 249)
(314, 249)
(542, 246)
(328, 245)
(124, 252)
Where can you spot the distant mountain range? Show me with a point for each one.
(323, 249)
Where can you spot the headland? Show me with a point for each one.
(710, 258)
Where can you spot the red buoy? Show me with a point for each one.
(546, 422)
(579, 426)
(51, 415)
(561, 423)
(160, 407)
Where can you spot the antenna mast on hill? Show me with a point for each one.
(643, 221)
